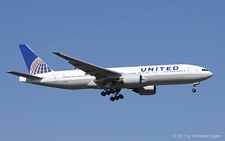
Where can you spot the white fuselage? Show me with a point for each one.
(151, 75)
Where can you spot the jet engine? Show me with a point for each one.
(130, 79)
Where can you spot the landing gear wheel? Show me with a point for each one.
(193, 90)
(103, 93)
(112, 98)
(107, 92)
(112, 91)
(121, 96)
(117, 97)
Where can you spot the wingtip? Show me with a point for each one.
(9, 71)
(56, 52)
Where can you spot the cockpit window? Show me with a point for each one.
(205, 70)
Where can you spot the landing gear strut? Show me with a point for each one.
(116, 96)
(194, 86)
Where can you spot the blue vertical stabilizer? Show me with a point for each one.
(35, 65)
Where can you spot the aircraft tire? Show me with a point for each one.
(112, 91)
(103, 93)
(121, 96)
(107, 92)
(112, 98)
(193, 90)
(117, 97)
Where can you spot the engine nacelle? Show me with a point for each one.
(147, 90)
(130, 79)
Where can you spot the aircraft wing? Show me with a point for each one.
(24, 75)
(90, 69)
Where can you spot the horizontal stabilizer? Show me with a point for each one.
(24, 75)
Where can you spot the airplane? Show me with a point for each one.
(140, 79)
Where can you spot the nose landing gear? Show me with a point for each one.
(194, 86)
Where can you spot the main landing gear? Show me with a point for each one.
(194, 86)
(116, 96)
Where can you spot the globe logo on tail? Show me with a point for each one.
(38, 66)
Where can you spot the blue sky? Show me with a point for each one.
(112, 34)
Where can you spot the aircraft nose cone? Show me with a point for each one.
(208, 74)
